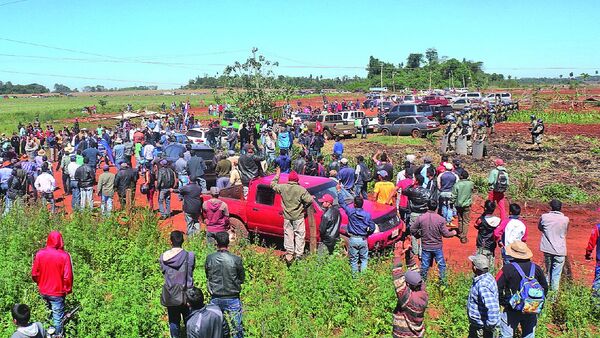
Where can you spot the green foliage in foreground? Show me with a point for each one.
(117, 282)
(557, 117)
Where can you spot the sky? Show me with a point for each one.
(166, 43)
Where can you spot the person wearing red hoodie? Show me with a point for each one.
(216, 215)
(53, 273)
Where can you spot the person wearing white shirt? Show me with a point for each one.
(46, 184)
(76, 193)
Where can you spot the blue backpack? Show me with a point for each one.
(530, 297)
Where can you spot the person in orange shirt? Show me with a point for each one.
(385, 191)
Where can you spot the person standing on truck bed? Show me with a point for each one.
(249, 167)
(294, 199)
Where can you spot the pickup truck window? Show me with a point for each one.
(335, 118)
(265, 195)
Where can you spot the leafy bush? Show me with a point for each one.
(118, 283)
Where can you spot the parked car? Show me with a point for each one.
(385, 106)
(415, 126)
(261, 212)
(435, 100)
(460, 104)
(440, 112)
(473, 96)
(498, 98)
(208, 155)
(199, 135)
(407, 110)
(409, 99)
(352, 115)
(333, 125)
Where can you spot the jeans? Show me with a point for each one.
(76, 198)
(415, 243)
(500, 200)
(426, 260)
(596, 283)
(446, 206)
(510, 320)
(360, 190)
(57, 305)
(192, 223)
(222, 182)
(294, 234)
(363, 131)
(176, 314)
(87, 197)
(358, 249)
(49, 198)
(107, 205)
(232, 314)
(164, 202)
(464, 218)
(66, 179)
(480, 332)
(231, 145)
(554, 266)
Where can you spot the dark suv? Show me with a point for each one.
(440, 112)
(401, 110)
(208, 154)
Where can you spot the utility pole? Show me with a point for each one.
(393, 83)
(381, 75)
(430, 80)
(254, 50)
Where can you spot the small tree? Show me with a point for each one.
(102, 103)
(251, 87)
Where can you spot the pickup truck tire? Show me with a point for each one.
(385, 132)
(238, 228)
(416, 133)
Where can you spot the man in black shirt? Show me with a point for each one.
(329, 229)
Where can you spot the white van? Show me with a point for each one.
(355, 116)
(473, 96)
(498, 97)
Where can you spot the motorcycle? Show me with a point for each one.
(51, 332)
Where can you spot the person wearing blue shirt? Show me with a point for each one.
(338, 147)
(360, 226)
(346, 176)
(283, 161)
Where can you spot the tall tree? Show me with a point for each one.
(414, 60)
(431, 55)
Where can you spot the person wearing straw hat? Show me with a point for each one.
(509, 284)
(483, 308)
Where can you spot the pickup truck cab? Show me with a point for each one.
(333, 125)
(498, 98)
(435, 100)
(262, 212)
(356, 116)
(473, 96)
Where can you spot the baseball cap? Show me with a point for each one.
(214, 191)
(498, 162)
(382, 173)
(480, 262)
(326, 198)
(344, 160)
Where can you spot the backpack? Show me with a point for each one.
(501, 184)
(174, 295)
(530, 297)
(365, 173)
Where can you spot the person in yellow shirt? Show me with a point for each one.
(385, 191)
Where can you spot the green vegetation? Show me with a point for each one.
(524, 187)
(396, 140)
(117, 283)
(15, 110)
(557, 117)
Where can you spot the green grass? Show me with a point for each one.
(396, 140)
(13, 111)
(557, 117)
(118, 282)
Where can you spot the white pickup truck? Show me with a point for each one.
(356, 116)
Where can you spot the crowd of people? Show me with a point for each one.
(433, 200)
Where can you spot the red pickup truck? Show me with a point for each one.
(262, 211)
(435, 100)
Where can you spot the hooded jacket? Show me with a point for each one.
(52, 269)
(33, 330)
(329, 229)
(217, 215)
(172, 267)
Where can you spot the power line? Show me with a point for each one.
(89, 78)
(11, 2)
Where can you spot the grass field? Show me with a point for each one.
(557, 117)
(15, 110)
